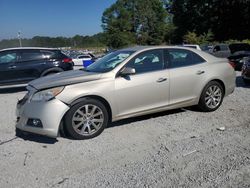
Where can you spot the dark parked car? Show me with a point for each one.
(21, 65)
(220, 50)
(238, 59)
(246, 70)
(234, 52)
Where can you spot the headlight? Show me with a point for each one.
(48, 94)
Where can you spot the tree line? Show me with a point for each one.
(149, 22)
(56, 42)
(154, 22)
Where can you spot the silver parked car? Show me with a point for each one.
(125, 83)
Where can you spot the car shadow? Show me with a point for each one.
(145, 117)
(8, 90)
(35, 138)
(241, 83)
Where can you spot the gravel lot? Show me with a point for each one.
(180, 148)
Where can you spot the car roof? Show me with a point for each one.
(29, 48)
(141, 48)
(205, 55)
(190, 45)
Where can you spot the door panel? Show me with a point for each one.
(141, 92)
(28, 70)
(187, 74)
(29, 64)
(147, 89)
(186, 83)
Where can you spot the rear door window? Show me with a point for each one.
(182, 58)
(30, 55)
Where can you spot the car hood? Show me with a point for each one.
(64, 78)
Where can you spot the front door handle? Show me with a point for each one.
(12, 67)
(200, 72)
(161, 80)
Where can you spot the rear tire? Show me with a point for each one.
(211, 97)
(86, 119)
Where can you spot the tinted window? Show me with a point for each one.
(147, 61)
(29, 55)
(182, 58)
(8, 57)
(47, 54)
(53, 54)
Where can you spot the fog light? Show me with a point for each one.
(34, 123)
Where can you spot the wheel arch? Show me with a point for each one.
(61, 130)
(99, 98)
(214, 80)
(220, 82)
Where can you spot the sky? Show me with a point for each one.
(51, 17)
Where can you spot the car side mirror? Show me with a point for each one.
(127, 71)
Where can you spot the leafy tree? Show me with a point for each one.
(226, 19)
(129, 22)
(193, 38)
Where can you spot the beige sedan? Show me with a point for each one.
(125, 83)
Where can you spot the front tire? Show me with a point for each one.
(211, 97)
(86, 119)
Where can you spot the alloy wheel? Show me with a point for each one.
(213, 96)
(87, 119)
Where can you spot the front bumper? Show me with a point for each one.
(50, 113)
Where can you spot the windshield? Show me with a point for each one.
(109, 62)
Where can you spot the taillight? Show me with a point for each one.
(67, 60)
(232, 64)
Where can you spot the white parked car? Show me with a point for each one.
(81, 59)
(194, 46)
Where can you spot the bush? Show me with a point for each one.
(246, 41)
(193, 38)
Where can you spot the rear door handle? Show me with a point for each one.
(12, 67)
(161, 80)
(200, 72)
